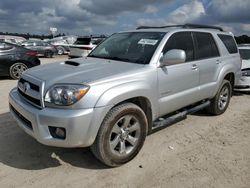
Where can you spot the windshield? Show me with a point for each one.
(245, 54)
(133, 47)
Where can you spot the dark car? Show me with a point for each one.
(15, 59)
(43, 48)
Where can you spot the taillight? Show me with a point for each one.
(32, 53)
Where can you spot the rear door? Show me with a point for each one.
(208, 59)
(179, 83)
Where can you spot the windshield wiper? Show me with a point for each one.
(111, 58)
(119, 59)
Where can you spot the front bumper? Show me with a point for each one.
(81, 125)
(243, 84)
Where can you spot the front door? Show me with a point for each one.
(179, 83)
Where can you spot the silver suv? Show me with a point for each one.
(131, 84)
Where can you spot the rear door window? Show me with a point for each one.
(229, 42)
(181, 41)
(206, 46)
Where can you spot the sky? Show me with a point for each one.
(83, 17)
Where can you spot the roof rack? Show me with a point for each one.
(187, 25)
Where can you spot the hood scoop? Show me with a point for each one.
(72, 63)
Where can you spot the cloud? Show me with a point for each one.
(111, 7)
(187, 13)
(190, 12)
(108, 16)
(229, 11)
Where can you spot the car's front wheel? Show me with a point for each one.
(121, 135)
(16, 70)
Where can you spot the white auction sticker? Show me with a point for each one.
(148, 42)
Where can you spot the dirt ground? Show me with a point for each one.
(201, 151)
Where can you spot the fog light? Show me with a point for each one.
(57, 132)
(60, 132)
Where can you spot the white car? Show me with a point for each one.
(244, 82)
(83, 46)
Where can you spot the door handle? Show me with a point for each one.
(194, 67)
(218, 61)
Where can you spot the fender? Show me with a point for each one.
(226, 69)
(127, 91)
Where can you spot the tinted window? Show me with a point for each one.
(206, 46)
(83, 41)
(229, 43)
(244, 53)
(181, 41)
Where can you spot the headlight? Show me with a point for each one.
(65, 94)
(246, 72)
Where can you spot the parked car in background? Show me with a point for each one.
(62, 43)
(244, 82)
(43, 48)
(12, 39)
(15, 59)
(83, 46)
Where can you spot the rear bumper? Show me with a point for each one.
(81, 125)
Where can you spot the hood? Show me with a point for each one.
(81, 70)
(245, 64)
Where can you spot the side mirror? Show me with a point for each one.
(173, 57)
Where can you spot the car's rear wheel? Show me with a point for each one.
(121, 135)
(48, 54)
(221, 101)
(16, 70)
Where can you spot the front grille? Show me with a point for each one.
(25, 121)
(32, 86)
(29, 98)
(31, 90)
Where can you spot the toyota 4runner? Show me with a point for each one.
(131, 84)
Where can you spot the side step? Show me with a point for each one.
(164, 122)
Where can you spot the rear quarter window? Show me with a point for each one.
(229, 43)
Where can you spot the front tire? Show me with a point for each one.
(221, 101)
(16, 70)
(121, 135)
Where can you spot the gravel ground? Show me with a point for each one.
(201, 151)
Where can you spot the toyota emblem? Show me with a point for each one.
(26, 86)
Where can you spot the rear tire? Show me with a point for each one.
(16, 70)
(121, 135)
(221, 100)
